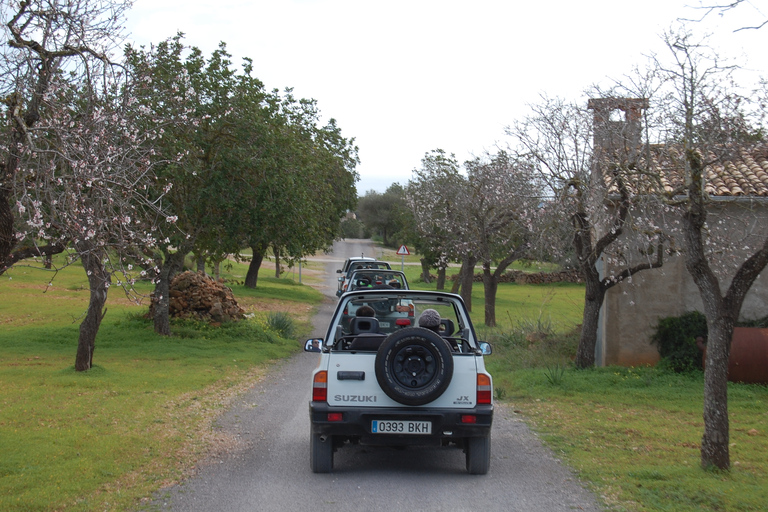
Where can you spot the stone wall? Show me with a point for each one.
(520, 277)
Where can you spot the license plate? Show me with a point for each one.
(401, 427)
(384, 324)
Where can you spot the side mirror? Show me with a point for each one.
(485, 348)
(313, 345)
(338, 271)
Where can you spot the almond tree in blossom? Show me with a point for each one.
(485, 214)
(45, 40)
(434, 195)
(80, 160)
(597, 207)
(705, 120)
(503, 209)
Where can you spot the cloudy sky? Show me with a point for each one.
(406, 77)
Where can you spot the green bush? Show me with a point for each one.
(675, 337)
(281, 323)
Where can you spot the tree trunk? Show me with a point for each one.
(456, 286)
(593, 300)
(252, 277)
(714, 442)
(425, 271)
(201, 263)
(490, 285)
(467, 279)
(98, 283)
(441, 278)
(161, 298)
(217, 270)
(7, 238)
(277, 262)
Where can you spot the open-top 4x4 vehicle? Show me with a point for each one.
(380, 278)
(385, 381)
(353, 264)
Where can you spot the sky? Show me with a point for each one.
(405, 77)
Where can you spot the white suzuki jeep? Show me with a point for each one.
(383, 380)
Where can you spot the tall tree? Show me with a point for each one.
(88, 181)
(296, 180)
(432, 195)
(385, 214)
(700, 110)
(503, 211)
(588, 186)
(78, 154)
(180, 82)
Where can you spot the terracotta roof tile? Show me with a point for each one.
(744, 174)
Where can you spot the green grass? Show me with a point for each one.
(633, 434)
(104, 439)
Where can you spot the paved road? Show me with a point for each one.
(270, 470)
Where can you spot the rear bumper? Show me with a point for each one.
(447, 424)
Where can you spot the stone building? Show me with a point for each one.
(738, 190)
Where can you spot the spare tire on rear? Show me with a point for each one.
(414, 366)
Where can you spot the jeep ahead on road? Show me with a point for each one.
(378, 278)
(357, 263)
(383, 380)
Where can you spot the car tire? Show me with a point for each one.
(478, 450)
(414, 366)
(321, 453)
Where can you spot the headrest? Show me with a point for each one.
(446, 327)
(364, 324)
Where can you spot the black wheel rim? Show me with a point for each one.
(414, 366)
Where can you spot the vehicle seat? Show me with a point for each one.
(364, 324)
(446, 327)
(366, 332)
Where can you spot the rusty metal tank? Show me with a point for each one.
(749, 356)
(748, 362)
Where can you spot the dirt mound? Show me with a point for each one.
(195, 295)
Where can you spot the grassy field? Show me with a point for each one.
(633, 435)
(106, 439)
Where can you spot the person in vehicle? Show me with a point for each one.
(430, 319)
(365, 311)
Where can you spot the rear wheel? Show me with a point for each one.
(321, 453)
(478, 451)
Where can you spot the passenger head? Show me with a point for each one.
(365, 311)
(430, 319)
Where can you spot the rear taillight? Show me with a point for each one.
(320, 387)
(411, 309)
(483, 388)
